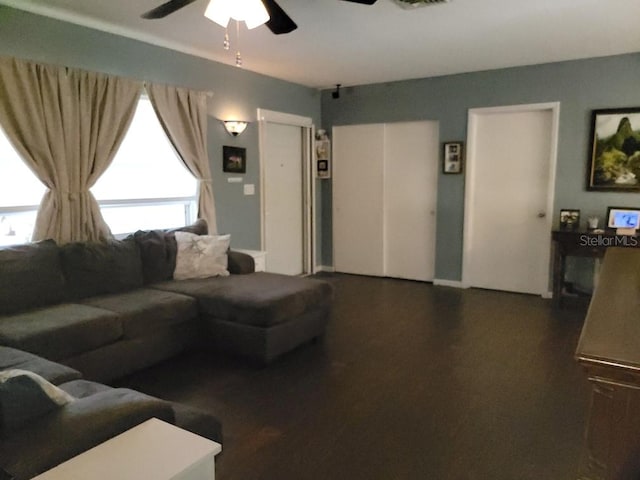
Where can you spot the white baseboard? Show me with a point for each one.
(547, 295)
(324, 268)
(449, 283)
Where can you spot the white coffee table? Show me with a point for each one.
(152, 450)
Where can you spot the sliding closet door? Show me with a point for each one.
(384, 199)
(358, 153)
(410, 195)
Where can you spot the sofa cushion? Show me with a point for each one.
(83, 388)
(146, 310)
(92, 268)
(60, 331)
(77, 427)
(199, 227)
(25, 396)
(30, 276)
(201, 256)
(158, 250)
(240, 263)
(259, 299)
(55, 373)
(158, 261)
(190, 418)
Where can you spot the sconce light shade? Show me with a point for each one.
(235, 127)
(252, 12)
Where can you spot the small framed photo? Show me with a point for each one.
(452, 157)
(323, 168)
(234, 159)
(569, 219)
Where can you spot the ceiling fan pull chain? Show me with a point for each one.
(238, 56)
(226, 44)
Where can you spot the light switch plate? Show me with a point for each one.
(249, 189)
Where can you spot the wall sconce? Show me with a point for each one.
(235, 127)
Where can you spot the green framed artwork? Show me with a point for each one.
(614, 157)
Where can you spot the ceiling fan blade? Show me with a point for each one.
(279, 22)
(364, 2)
(166, 9)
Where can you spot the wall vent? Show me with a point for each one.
(410, 4)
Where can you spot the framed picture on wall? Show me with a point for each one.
(614, 156)
(452, 157)
(234, 159)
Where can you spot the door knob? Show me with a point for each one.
(541, 214)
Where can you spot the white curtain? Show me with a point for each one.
(183, 115)
(67, 125)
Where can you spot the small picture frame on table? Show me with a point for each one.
(623, 217)
(569, 219)
(453, 156)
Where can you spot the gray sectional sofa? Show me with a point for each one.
(107, 310)
(35, 436)
(110, 309)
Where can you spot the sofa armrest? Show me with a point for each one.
(240, 263)
(78, 426)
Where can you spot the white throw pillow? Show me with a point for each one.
(25, 396)
(57, 395)
(201, 256)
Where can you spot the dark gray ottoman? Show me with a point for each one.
(259, 315)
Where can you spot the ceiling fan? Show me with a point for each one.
(279, 22)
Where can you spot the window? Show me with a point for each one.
(20, 195)
(146, 186)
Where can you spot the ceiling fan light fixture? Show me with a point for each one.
(219, 11)
(410, 4)
(251, 12)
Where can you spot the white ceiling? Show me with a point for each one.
(352, 44)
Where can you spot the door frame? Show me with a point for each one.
(308, 183)
(474, 116)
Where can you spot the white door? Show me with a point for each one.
(358, 154)
(384, 199)
(283, 198)
(410, 196)
(509, 197)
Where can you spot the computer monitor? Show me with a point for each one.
(622, 218)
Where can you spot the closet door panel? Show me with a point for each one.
(358, 203)
(410, 196)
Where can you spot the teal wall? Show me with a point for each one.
(579, 86)
(236, 93)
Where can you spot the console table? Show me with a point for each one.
(609, 351)
(582, 244)
(154, 450)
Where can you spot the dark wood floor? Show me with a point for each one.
(411, 382)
